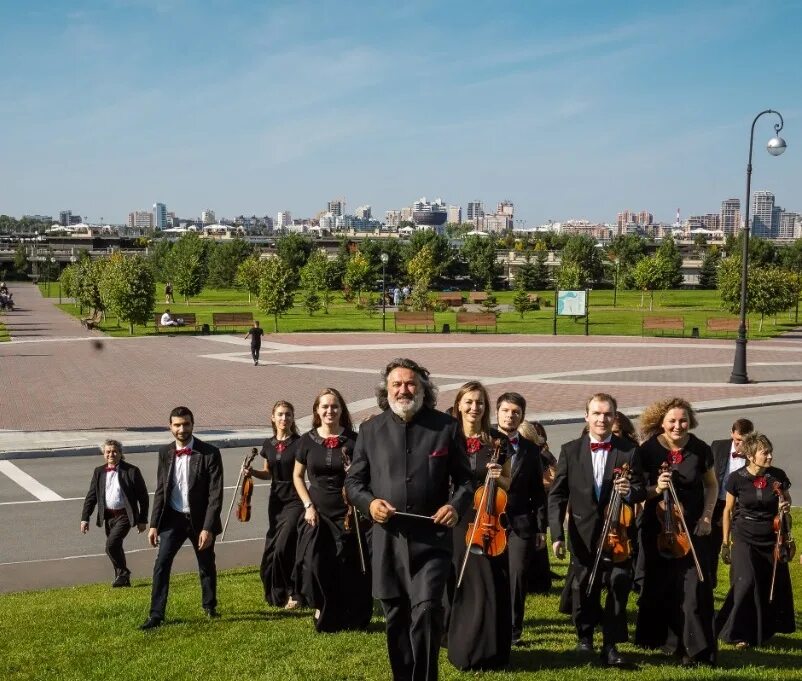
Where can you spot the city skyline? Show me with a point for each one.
(569, 110)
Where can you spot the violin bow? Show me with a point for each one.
(608, 519)
(777, 543)
(347, 462)
(245, 463)
(674, 497)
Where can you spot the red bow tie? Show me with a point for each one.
(736, 455)
(596, 446)
(111, 468)
(514, 441)
(184, 451)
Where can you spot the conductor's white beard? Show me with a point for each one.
(405, 408)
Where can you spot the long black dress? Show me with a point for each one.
(747, 614)
(328, 571)
(480, 616)
(539, 573)
(284, 509)
(675, 608)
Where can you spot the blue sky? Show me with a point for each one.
(571, 109)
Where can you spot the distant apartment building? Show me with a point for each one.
(172, 220)
(363, 213)
(730, 221)
(160, 216)
(65, 218)
(600, 232)
(709, 221)
(208, 217)
(624, 218)
(454, 215)
(787, 225)
(475, 211)
(763, 214)
(392, 218)
(337, 207)
(496, 222)
(406, 214)
(645, 218)
(283, 219)
(505, 208)
(141, 220)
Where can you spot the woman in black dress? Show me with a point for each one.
(328, 571)
(480, 616)
(676, 607)
(284, 508)
(747, 618)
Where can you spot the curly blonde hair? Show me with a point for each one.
(651, 420)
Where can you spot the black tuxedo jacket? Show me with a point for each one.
(526, 497)
(205, 486)
(573, 484)
(721, 456)
(417, 467)
(132, 486)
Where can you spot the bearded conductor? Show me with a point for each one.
(411, 475)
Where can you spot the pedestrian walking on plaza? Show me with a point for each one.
(121, 496)
(255, 333)
(186, 505)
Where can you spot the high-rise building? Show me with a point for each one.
(283, 219)
(505, 208)
(140, 219)
(64, 217)
(730, 221)
(406, 214)
(787, 222)
(645, 218)
(454, 215)
(626, 217)
(392, 218)
(337, 207)
(159, 216)
(363, 213)
(763, 210)
(475, 210)
(208, 217)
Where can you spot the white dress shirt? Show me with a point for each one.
(734, 463)
(114, 495)
(599, 458)
(179, 493)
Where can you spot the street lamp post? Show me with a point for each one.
(775, 147)
(615, 282)
(384, 259)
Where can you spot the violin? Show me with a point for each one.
(784, 545)
(615, 545)
(674, 538)
(244, 504)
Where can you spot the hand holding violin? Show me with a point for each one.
(494, 470)
(622, 485)
(663, 481)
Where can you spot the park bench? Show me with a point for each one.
(188, 317)
(450, 298)
(477, 297)
(725, 324)
(231, 319)
(477, 319)
(93, 320)
(414, 319)
(663, 324)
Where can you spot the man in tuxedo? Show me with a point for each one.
(727, 458)
(584, 480)
(526, 504)
(186, 505)
(121, 496)
(410, 459)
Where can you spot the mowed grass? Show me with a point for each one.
(4, 333)
(623, 319)
(90, 632)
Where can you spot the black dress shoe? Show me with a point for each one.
(584, 646)
(611, 657)
(122, 580)
(151, 623)
(211, 613)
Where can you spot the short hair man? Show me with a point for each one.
(255, 333)
(186, 505)
(410, 460)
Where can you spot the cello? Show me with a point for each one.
(486, 535)
(674, 538)
(784, 544)
(615, 544)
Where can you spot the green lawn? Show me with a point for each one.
(624, 319)
(4, 334)
(90, 632)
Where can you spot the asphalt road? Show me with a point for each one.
(41, 545)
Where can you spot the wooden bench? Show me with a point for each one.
(424, 319)
(450, 298)
(663, 324)
(187, 317)
(232, 319)
(477, 297)
(477, 319)
(92, 322)
(725, 324)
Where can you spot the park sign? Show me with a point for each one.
(571, 304)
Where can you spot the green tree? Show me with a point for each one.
(627, 249)
(312, 301)
(570, 277)
(358, 274)
(248, 275)
(159, 257)
(69, 281)
(128, 289)
(671, 264)
(649, 274)
(769, 290)
(187, 265)
(442, 254)
(316, 278)
(224, 260)
(582, 251)
(276, 289)
(708, 273)
(520, 301)
(294, 250)
(88, 274)
(534, 272)
(421, 270)
(479, 253)
(20, 259)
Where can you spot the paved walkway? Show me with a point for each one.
(64, 394)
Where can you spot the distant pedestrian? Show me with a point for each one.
(405, 292)
(396, 296)
(168, 293)
(119, 492)
(256, 333)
